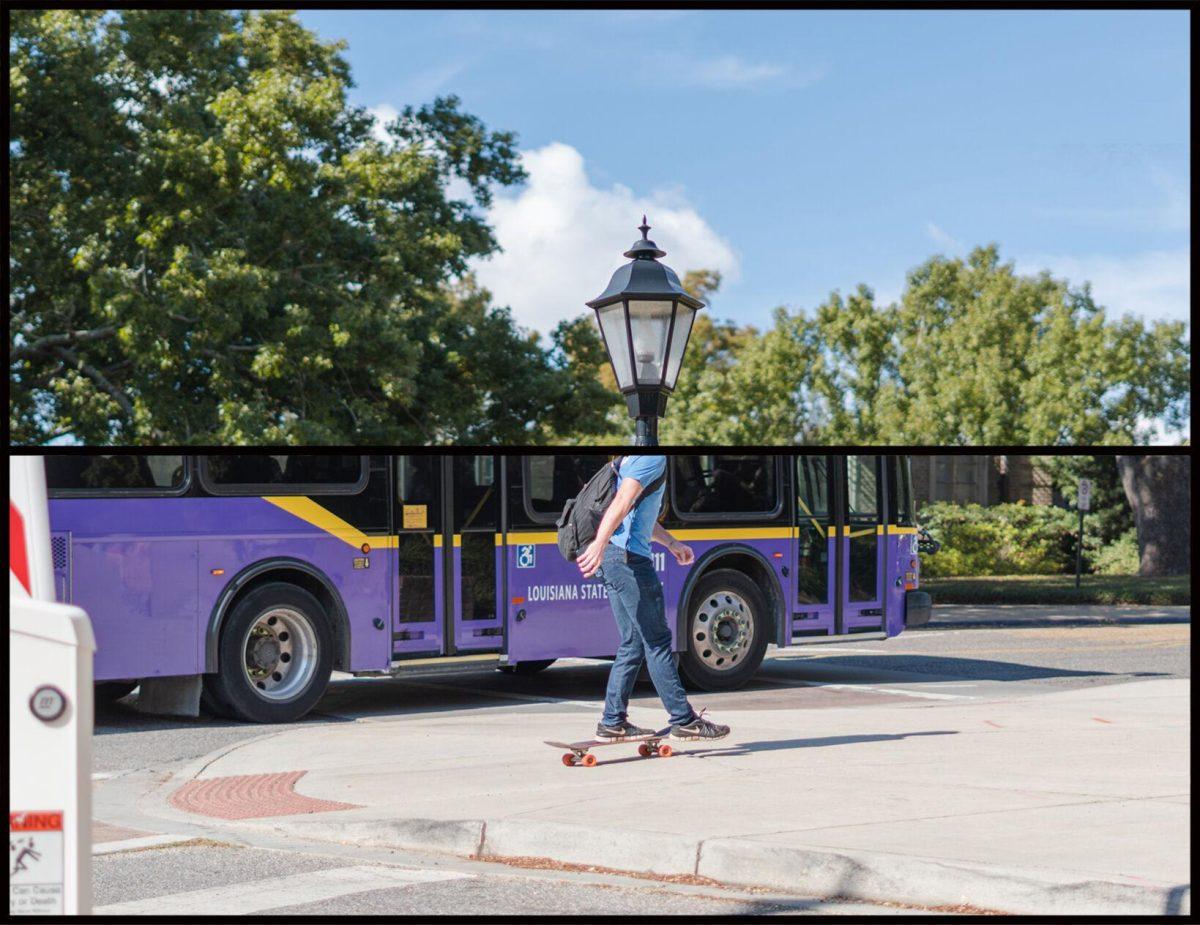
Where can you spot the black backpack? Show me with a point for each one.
(581, 516)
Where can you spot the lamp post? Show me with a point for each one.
(645, 318)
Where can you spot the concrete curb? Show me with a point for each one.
(620, 849)
(459, 837)
(804, 871)
(928, 881)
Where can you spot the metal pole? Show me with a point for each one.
(1079, 549)
(647, 432)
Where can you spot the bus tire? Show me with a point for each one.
(527, 668)
(274, 657)
(112, 691)
(728, 627)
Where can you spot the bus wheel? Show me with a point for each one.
(523, 668)
(274, 657)
(728, 625)
(112, 691)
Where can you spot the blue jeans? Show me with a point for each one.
(636, 596)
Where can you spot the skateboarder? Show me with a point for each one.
(620, 557)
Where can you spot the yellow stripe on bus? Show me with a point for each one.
(735, 533)
(312, 513)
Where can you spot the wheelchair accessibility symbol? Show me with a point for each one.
(526, 556)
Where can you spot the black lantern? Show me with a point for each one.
(645, 318)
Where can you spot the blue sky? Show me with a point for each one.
(806, 151)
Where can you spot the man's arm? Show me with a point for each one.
(589, 560)
(681, 551)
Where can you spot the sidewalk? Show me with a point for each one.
(978, 616)
(1069, 802)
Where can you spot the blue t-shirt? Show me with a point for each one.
(638, 526)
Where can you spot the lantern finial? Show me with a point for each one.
(644, 248)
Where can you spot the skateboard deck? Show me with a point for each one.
(580, 752)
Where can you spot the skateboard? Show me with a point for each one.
(648, 746)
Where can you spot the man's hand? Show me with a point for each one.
(589, 560)
(682, 552)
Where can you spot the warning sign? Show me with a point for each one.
(35, 863)
(415, 517)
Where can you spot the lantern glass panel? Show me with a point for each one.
(612, 325)
(649, 323)
(684, 316)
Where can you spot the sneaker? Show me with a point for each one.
(699, 728)
(622, 730)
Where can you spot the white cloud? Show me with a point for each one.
(942, 238)
(383, 113)
(730, 72)
(1154, 284)
(562, 238)
(1168, 210)
(424, 85)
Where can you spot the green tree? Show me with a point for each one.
(209, 245)
(1110, 516)
(589, 409)
(973, 353)
(990, 356)
(698, 412)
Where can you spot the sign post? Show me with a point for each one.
(1084, 503)
(50, 717)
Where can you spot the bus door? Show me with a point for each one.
(860, 562)
(418, 627)
(813, 610)
(474, 555)
(447, 518)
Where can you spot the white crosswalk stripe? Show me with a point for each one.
(898, 691)
(294, 890)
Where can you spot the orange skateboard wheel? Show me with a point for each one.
(589, 760)
(645, 750)
(665, 750)
(569, 760)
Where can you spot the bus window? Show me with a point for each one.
(551, 481)
(812, 517)
(417, 481)
(284, 473)
(475, 517)
(475, 501)
(710, 484)
(102, 474)
(901, 509)
(862, 516)
(419, 518)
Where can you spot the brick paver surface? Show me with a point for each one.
(250, 796)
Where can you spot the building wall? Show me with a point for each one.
(980, 479)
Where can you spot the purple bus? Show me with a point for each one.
(252, 576)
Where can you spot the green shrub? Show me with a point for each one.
(1117, 558)
(1018, 539)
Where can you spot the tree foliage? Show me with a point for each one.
(972, 354)
(209, 244)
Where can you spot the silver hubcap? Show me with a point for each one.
(280, 653)
(722, 630)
